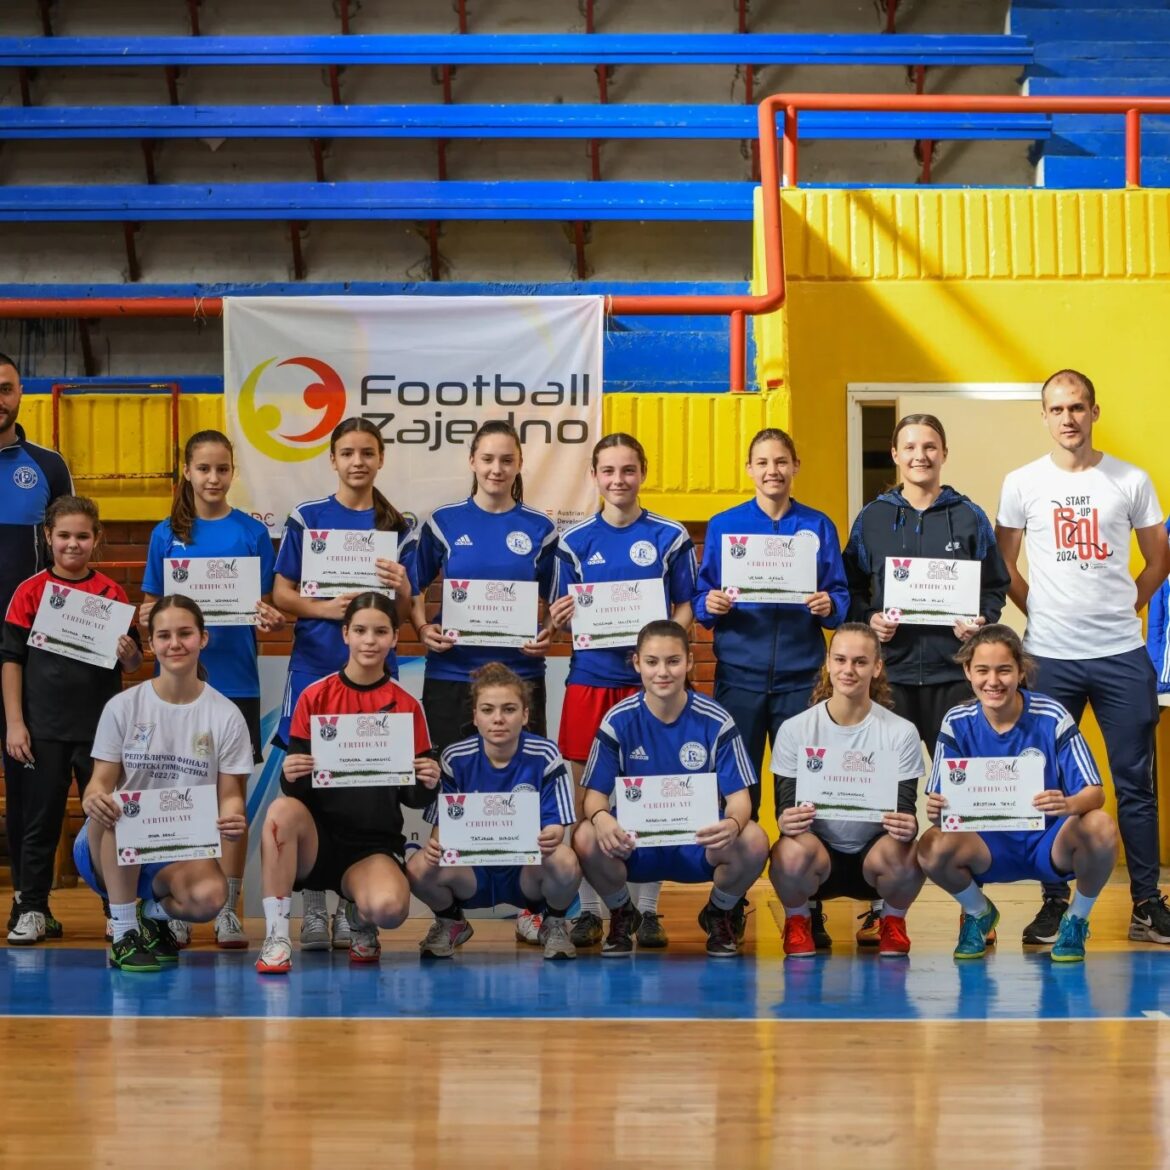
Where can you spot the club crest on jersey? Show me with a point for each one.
(459, 590)
(957, 771)
(643, 553)
(180, 571)
(584, 595)
(327, 726)
(25, 476)
(455, 807)
(317, 540)
(131, 803)
(57, 597)
(519, 542)
(633, 787)
(901, 569)
(692, 755)
(814, 759)
(737, 546)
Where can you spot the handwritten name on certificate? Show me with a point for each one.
(667, 810)
(490, 613)
(992, 794)
(931, 591)
(80, 625)
(770, 570)
(362, 751)
(612, 613)
(847, 785)
(162, 825)
(226, 588)
(489, 828)
(341, 560)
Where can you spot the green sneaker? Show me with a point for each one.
(1070, 942)
(130, 953)
(973, 932)
(157, 938)
(53, 929)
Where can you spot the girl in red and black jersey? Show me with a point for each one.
(344, 839)
(52, 704)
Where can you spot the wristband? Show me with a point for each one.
(597, 814)
(735, 822)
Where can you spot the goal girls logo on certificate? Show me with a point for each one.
(226, 588)
(80, 625)
(848, 785)
(992, 794)
(490, 828)
(363, 751)
(490, 613)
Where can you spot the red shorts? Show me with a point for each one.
(581, 716)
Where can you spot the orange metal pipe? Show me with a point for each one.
(1133, 148)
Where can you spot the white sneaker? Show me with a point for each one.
(364, 946)
(342, 934)
(229, 931)
(181, 931)
(528, 927)
(275, 956)
(29, 929)
(444, 936)
(554, 937)
(315, 931)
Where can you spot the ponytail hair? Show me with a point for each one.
(499, 426)
(183, 507)
(178, 601)
(879, 686)
(387, 518)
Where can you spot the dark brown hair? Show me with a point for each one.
(918, 420)
(879, 686)
(371, 600)
(496, 674)
(178, 601)
(387, 518)
(998, 635)
(183, 507)
(498, 426)
(73, 506)
(620, 439)
(1076, 376)
(769, 433)
(663, 629)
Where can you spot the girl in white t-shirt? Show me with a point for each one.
(173, 732)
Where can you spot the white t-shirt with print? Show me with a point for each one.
(1077, 525)
(172, 745)
(880, 730)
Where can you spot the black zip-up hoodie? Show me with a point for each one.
(953, 527)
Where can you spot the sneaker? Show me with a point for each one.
(364, 946)
(29, 929)
(275, 956)
(444, 936)
(651, 933)
(342, 927)
(180, 933)
(14, 913)
(53, 929)
(623, 927)
(720, 928)
(1070, 942)
(158, 937)
(991, 939)
(973, 932)
(315, 931)
(554, 937)
(1150, 921)
(869, 932)
(798, 937)
(229, 931)
(528, 927)
(817, 919)
(893, 941)
(130, 953)
(1044, 928)
(587, 929)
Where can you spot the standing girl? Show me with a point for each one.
(621, 542)
(357, 453)
(203, 524)
(52, 705)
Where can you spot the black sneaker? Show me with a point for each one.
(1150, 921)
(623, 926)
(651, 933)
(720, 928)
(53, 929)
(13, 915)
(157, 938)
(821, 939)
(587, 929)
(1044, 928)
(130, 953)
(739, 917)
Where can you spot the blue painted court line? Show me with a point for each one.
(55, 981)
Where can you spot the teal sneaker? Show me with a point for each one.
(1070, 942)
(973, 932)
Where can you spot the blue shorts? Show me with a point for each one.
(294, 686)
(670, 863)
(496, 885)
(1021, 857)
(83, 860)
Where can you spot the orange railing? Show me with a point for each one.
(773, 175)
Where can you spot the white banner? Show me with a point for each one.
(427, 371)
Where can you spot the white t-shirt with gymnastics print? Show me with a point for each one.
(172, 745)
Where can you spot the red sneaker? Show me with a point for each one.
(798, 937)
(893, 941)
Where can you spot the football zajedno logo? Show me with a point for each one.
(261, 424)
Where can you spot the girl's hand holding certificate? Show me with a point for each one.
(101, 806)
(391, 575)
(903, 827)
(232, 827)
(550, 837)
(612, 839)
(719, 835)
(797, 819)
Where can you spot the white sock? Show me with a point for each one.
(124, 917)
(313, 901)
(590, 900)
(889, 911)
(233, 897)
(722, 900)
(619, 899)
(646, 895)
(153, 908)
(276, 912)
(803, 910)
(1081, 905)
(876, 905)
(972, 900)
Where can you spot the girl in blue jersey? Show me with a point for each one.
(356, 452)
(501, 757)
(203, 524)
(1158, 636)
(768, 657)
(621, 543)
(1079, 839)
(669, 730)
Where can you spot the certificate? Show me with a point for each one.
(992, 794)
(667, 810)
(80, 625)
(612, 613)
(490, 613)
(770, 570)
(162, 825)
(931, 591)
(226, 588)
(489, 828)
(362, 751)
(341, 560)
(847, 785)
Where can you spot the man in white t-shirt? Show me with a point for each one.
(1077, 508)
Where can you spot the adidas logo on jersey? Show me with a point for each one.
(463, 542)
(639, 753)
(596, 559)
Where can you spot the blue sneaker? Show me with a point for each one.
(1070, 943)
(973, 932)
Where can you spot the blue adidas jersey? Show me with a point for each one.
(1044, 727)
(31, 478)
(536, 767)
(632, 741)
(651, 549)
(317, 645)
(230, 656)
(463, 541)
(1158, 633)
